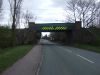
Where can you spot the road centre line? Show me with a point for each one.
(85, 58)
(79, 56)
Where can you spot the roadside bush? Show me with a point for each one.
(96, 43)
(23, 36)
(5, 37)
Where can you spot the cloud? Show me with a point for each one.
(60, 3)
(54, 14)
(45, 10)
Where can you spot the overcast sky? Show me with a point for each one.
(45, 10)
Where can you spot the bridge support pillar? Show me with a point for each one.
(76, 31)
(72, 34)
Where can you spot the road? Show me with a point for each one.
(63, 60)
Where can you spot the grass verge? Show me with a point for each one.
(10, 55)
(88, 47)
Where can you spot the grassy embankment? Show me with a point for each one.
(96, 46)
(9, 56)
(88, 47)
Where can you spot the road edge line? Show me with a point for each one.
(40, 64)
(85, 58)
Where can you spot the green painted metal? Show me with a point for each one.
(54, 26)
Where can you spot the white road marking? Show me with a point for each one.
(85, 58)
(79, 55)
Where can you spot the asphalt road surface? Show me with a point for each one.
(61, 60)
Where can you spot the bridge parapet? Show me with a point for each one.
(49, 27)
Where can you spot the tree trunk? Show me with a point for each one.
(14, 26)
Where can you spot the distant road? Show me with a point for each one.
(61, 60)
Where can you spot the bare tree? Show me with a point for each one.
(84, 10)
(94, 13)
(1, 2)
(15, 6)
(28, 16)
(71, 5)
(98, 18)
(18, 15)
(83, 7)
(0, 5)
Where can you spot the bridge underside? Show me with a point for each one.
(67, 28)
